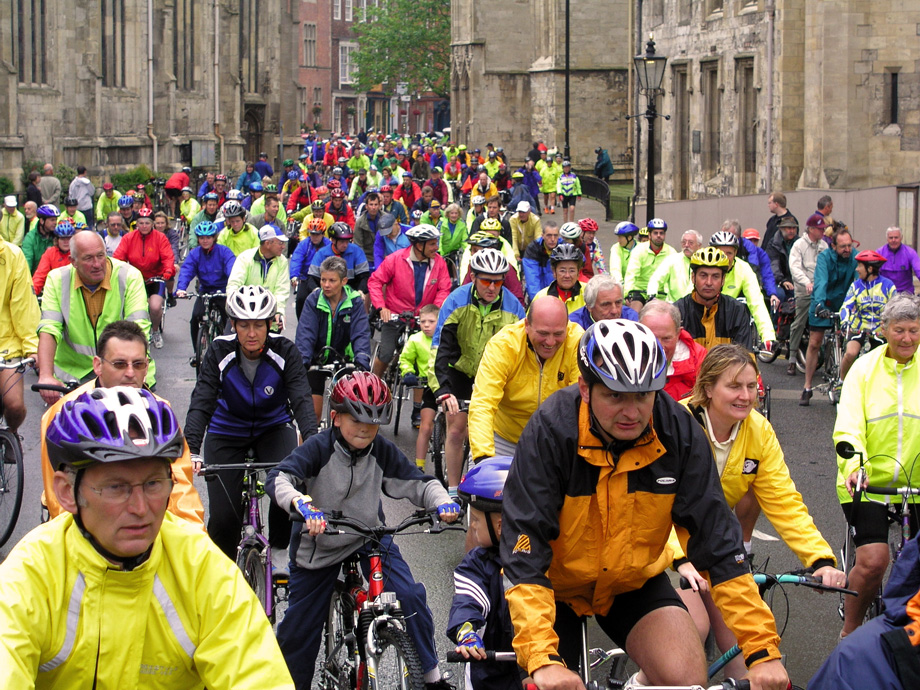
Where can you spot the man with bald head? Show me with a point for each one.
(522, 365)
(79, 301)
(684, 354)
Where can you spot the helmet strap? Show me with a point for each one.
(492, 535)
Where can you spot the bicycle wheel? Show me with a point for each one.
(770, 357)
(250, 562)
(11, 480)
(341, 658)
(436, 446)
(400, 393)
(182, 244)
(398, 665)
(202, 344)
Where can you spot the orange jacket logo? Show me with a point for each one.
(523, 544)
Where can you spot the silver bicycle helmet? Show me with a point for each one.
(478, 200)
(423, 233)
(570, 231)
(251, 303)
(232, 209)
(723, 238)
(623, 355)
(489, 261)
(566, 252)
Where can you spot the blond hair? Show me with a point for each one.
(720, 359)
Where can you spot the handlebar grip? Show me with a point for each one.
(37, 387)
(883, 490)
(454, 657)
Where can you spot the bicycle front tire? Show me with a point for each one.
(249, 560)
(12, 476)
(398, 665)
(341, 659)
(400, 392)
(438, 436)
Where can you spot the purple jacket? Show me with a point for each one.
(900, 267)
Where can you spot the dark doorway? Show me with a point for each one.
(252, 134)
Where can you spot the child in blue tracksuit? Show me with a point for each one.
(479, 618)
(347, 468)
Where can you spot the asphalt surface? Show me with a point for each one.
(805, 434)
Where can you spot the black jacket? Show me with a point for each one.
(732, 321)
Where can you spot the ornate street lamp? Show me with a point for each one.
(650, 73)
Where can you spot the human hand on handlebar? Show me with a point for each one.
(385, 314)
(829, 575)
(448, 512)
(853, 482)
(450, 405)
(49, 397)
(410, 379)
(197, 462)
(181, 294)
(557, 677)
(697, 582)
(769, 675)
(469, 644)
(774, 302)
(313, 518)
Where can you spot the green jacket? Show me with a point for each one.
(249, 269)
(671, 280)
(34, 245)
(452, 241)
(239, 242)
(642, 264)
(550, 176)
(619, 260)
(416, 355)
(64, 317)
(12, 227)
(105, 205)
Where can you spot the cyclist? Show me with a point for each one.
(433, 215)
(71, 213)
(371, 225)
(317, 210)
(237, 234)
(221, 187)
(114, 231)
(538, 273)
(862, 307)
(566, 262)
(487, 240)
(407, 192)
(521, 366)
(494, 213)
(210, 205)
(568, 189)
(188, 205)
(150, 253)
(879, 413)
(37, 241)
(477, 210)
(161, 224)
(247, 178)
(271, 213)
(413, 366)
(341, 236)
(302, 258)
(756, 258)
(454, 232)
(646, 257)
(211, 264)
(251, 388)
(671, 280)
(580, 537)
(603, 296)
(392, 239)
(122, 359)
(394, 208)
(360, 403)
(174, 186)
(493, 227)
(334, 317)
(683, 354)
(126, 208)
(469, 317)
(749, 458)
(620, 253)
(339, 209)
(119, 580)
(594, 255)
(519, 193)
(300, 195)
(265, 266)
(414, 276)
(525, 228)
(107, 202)
(55, 256)
(709, 315)
(550, 171)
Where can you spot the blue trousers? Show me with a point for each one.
(301, 631)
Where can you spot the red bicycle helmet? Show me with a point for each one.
(588, 225)
(871, 257)
(144, 212)
(364, 396)
(333, 184)
(337, 193)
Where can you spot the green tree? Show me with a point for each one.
(404, 41)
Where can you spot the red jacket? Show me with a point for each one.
(440, 191)
(177, 181)
(299, 198)
(397, 274)
(51, 259)
(151, 254)
(344, 214)
(680, 383)
(407, 196)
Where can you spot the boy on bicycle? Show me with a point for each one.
(413, 364)
(479, 618)
(348, 467)
(861, 311)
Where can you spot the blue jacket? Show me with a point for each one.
(264, 169)
(245, 179)
(211, 268)
(384, 246)
(538, 274)
(532, 180)
(438, 161)
(479, 599)
(584, 319)
(303, 256)
(760, 262)
(521, 193)
(355, 262)
(348, 332)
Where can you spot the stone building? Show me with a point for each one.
(110, 84)
(785, 94)
(508, 75)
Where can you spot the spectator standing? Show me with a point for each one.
(50, 186)
(802, 260)
(33, 193)
(776, 202)
(902, 262)
(82, 189)
(603, 168)
(12, 222)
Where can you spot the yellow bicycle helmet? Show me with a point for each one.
(491, 224)
(711, 257)
(643, 231)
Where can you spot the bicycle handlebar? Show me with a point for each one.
(766, 581)
(15, 365)
(253, 466)
(893, 490)
(210, 295)
(419, 517)
(64, 388)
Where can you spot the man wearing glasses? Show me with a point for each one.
(121, 360)
(79, 301)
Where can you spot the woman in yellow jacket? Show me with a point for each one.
(748, 457)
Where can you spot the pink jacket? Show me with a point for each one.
(397, 274)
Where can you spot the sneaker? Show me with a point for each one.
(416, 418)
(632, 683)
(791, 369)
(9, 455)
(805, 400)
(157, 339)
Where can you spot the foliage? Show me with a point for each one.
(407, 41)
(129, 180)
(63, 172)
(28, 167)
(6, 186)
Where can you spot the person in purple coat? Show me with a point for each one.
(902, 261)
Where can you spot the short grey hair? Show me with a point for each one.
(733, 225)
(334, 264)
(697, 235)
(659, 306)
(902, 307)
(598, 283)
(895, 228)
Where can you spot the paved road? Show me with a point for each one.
(805, 434)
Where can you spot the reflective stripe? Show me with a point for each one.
(73, 619)
(66, 272)
(465, 586)
(49, 315)
(122, 285)
(276, 358)
(172, 617)
(225, 362)
(139, 315)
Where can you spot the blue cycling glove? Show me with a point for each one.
(449, 508)
(467, 637)
(306, 509)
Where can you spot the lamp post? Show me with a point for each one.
(650, 73)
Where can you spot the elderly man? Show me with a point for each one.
(603, 300)
(521, 367)
(802, 260)
(30, 211)
(902, 261)
(683, 353)
(525, 228)
(265, 265)
(78, 303)
(671, 280)
(50, 186)
(12, 222)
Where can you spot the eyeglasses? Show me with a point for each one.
(488, 282)
(122, 364)
(153, 489)
(567, 271)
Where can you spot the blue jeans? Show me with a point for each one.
(301, 631)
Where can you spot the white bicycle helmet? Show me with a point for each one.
(251, 303)
(489, 261)
(234, 195)
(723, 238)
(423, 233)
(623, 355)
(570, 231)
(478, 200)
(232, 209)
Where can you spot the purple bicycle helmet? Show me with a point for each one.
(113, 425)
(483, 486)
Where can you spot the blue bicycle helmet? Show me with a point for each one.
(48, 211)
(113, 425)
(125, 201)
(483, 485)
(255, 187)
(657, 224)
(626, 228)
(64, 228)
(293, 175)
(206, 229)
(211, 196)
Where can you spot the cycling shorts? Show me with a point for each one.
(568, 200)
(461, 385)
(173, 193)
(155, 289)
(862, 336)
(428, 400)
(872, 521)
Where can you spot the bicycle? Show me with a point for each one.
(210, 324)
(12, 467)
(784, 319)
(407, 323)
(366, 644)
(159, 198)
(254, 553)
(158, 333)
(436, 444)
(335, 369)
(181, 227)
(453, 268)
(832, 348)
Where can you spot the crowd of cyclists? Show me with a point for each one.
(624, 384)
